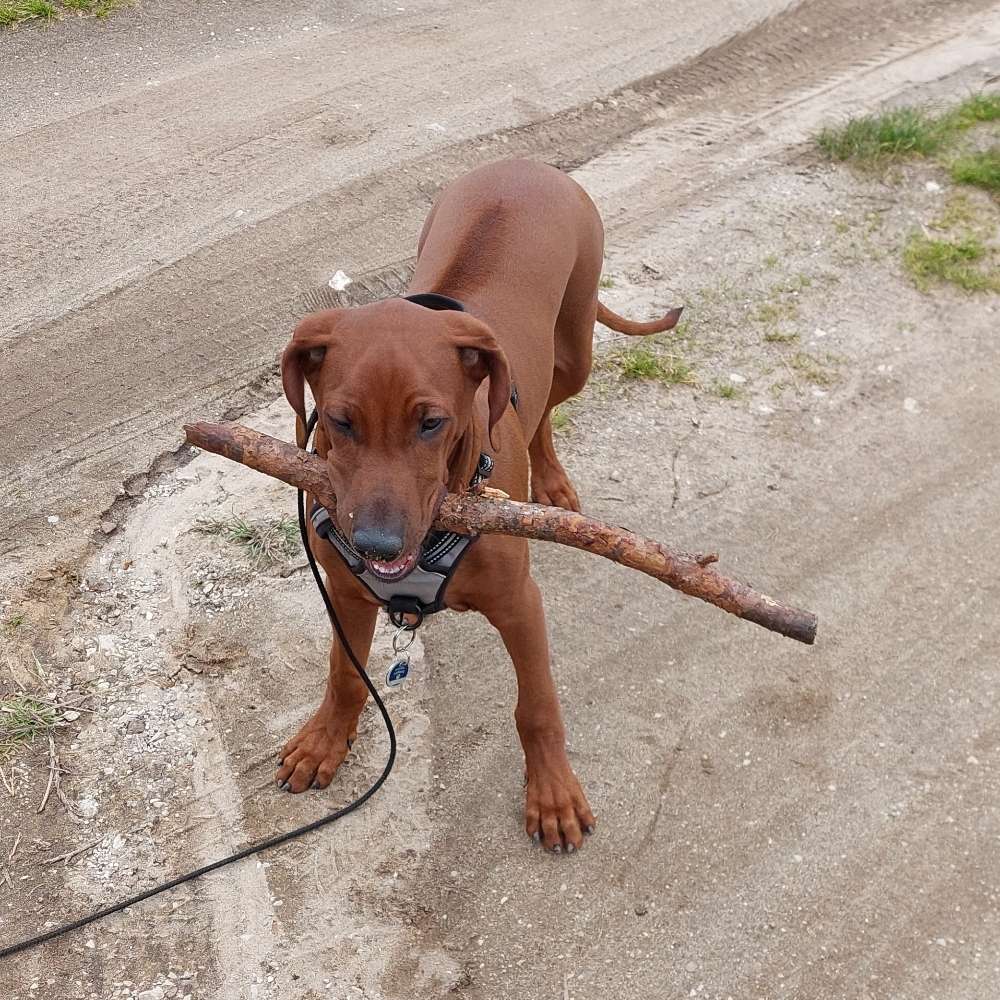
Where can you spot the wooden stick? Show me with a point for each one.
(486, 512)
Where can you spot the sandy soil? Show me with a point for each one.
(775, 821)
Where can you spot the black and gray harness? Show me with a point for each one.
(421, 591)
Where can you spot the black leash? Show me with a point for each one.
(270, 842)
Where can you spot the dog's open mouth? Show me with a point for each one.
(394, 570)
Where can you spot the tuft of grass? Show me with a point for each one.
(771, 312)
(958, 212)
(981, 169)
(899, 132)
(809, 367)
(976, 108)
(640, 364)
(957, 263)
(265, 540)
(559, 418)
(13, 623)
(606, 281)
(771, 261)
(726, 390)
(908, 131)
(22, 720)
(777, 337)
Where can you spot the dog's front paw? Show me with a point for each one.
(556, 812)
(552, 487)
(311, 758)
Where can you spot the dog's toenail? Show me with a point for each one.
(536, 837)
(350, 744)
(557, 849)
(570, 848)
(589, 829)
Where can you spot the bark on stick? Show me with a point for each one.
(482, 513)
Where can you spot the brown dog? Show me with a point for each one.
(408, 397)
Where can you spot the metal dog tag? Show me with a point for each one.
(398, 672)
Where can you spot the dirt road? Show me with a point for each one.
(774, 821)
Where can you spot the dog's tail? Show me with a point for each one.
(615, 322)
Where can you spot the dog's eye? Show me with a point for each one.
(430, 425)
(342, 426)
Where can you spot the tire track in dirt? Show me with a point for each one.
(172, 335)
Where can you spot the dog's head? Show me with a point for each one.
(394, 385)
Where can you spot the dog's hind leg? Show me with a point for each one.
(574, 335)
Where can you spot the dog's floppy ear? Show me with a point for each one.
(482, 356)
(302, 357)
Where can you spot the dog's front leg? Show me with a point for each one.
(556, 810)
(313, 755)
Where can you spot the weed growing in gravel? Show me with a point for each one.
(957, 262)
(606, 281)
(265, 540)
(640, 364)
(22, 720)
(981, 169)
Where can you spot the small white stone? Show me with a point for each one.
(71, 716)
(933, 187)
(911, 405)
(53, 519)
(736, 378)
(339, 281)
(87, 807)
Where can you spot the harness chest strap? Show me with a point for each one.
(421, 591)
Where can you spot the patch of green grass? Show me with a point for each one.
(908, 131)
(955, 262)
(606, 281)
(771, 261)
(265, 540)
(640, 364)
(981, 169)
(809, 367)
(13, 623)
(778, 337)
(726, 390)
(958, 212)
(14, 12)
(975, 109)
(773, 310)
(899, 132)
(22, 720)
(559, 418)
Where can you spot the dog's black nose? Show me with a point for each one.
(381, 540)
